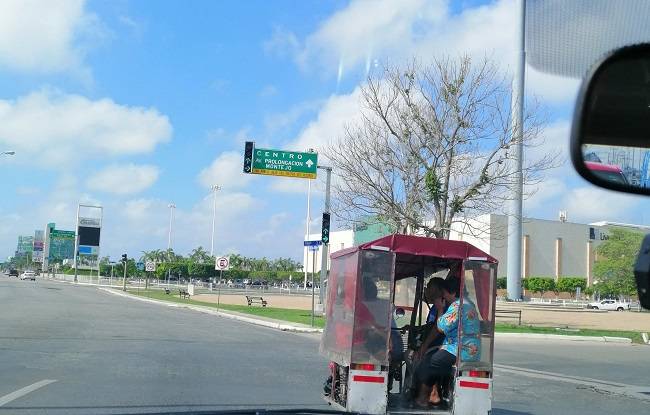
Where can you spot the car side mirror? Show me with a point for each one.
(610, 136)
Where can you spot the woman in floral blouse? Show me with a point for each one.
(440, 363)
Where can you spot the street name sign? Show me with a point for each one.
(313, 243)
(222, 263)
(284, 163)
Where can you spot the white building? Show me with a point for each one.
(549, 248)
(338, 240)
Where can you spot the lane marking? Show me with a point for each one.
(633, 391)
(24, 391)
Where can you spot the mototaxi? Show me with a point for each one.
(375, 310)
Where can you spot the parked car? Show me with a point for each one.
(609, 304)
(13, 273)
(28, 275)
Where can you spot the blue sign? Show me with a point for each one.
(313, 247)
(85, 250)
(313, 243)
(140, 266)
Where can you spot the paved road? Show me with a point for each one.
(108, 354)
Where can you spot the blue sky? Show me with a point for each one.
(136, 104)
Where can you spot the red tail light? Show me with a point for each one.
(478, 374)
(362, 366)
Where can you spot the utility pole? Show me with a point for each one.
(214, 188)
(515, 233)
(325, 246)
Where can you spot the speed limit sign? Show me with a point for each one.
(222, 263)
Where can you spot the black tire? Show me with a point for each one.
(620, 309)
(595, 307)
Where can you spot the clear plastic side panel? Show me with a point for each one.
(476, 334)
(336, 342)
(373, 311)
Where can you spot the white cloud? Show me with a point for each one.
(365, 32)
(590, 204)
(281, 43)
(45, 36)
(337, 112)
(279, 121)
(54, 129)
(123, 179)
(225, 171)
(268, 91)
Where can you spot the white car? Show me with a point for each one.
(28, 275)
(609, 304)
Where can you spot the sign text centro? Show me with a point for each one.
(285, 163)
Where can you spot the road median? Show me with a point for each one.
(296, 320)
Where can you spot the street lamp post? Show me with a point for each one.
(171, 207)
(214, 188)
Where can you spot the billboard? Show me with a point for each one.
(61, 245)
(25, 245)
(88, 232)
(39, 243)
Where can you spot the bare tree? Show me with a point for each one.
(432, 147)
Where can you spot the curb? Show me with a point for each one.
(208, 310)
(605, 339)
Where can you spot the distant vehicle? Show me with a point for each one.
(607, 172)
(13, 273)
(28, 275)
(609, 304)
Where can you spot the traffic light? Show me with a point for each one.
(325, 234)
(124, 258)
(248, 156)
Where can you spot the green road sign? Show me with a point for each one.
(55, 233)
(284, 163)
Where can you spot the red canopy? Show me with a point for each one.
(421, 246)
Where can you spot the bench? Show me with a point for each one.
(255, 300)
(512, 314)
(183, 294)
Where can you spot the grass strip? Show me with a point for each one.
(513, 328)
(284, 314)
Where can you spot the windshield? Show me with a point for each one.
(184, 186)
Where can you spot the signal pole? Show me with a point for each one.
(325, 246)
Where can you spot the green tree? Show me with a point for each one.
(614, 266)
(539, 284)
(570, 284)
(502, 283)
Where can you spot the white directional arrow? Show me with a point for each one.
(309, 163)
